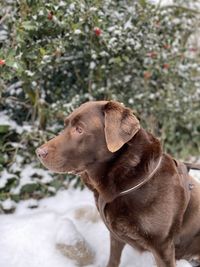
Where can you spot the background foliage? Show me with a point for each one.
(55, 55)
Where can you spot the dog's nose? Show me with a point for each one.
(42, 152)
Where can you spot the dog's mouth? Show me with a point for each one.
(57, 164)
(61, 168)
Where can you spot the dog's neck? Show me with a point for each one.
(132, 163)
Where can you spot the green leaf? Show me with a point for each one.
(2, 160)
(4, 128)
(15, 197)
(29, 188)
(42, 51)
(56, 184)
(29, 26)
(143, 3)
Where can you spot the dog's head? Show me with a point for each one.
(93, 133)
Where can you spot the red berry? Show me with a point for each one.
(147, 74)
(152, 54)
(167, 46)
(2, 62)
(97, 31)
(193, 49)
(50, 15)
(157, 23)
(166, 66)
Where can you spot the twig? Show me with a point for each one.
(12, 98)
(4, 17)
(184, 8)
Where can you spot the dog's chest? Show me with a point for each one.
(122, 228)
(129, 231)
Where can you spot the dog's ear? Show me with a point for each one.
(120, 125)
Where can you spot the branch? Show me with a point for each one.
(4, 17)
(184, 8)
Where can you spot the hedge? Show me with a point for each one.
(58, 54)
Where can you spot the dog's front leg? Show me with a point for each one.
(165, 255)
(116, 248)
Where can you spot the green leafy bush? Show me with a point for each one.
(62, 53)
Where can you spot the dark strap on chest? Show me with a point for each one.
(192, 166)
(183, 172)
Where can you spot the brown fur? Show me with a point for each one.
(104, 143)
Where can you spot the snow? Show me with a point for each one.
(39, 235)
(8, 204)
(5, 176)
(92, 65)
(162, 2)
(77, 31)
(30, 175)
(5, 120)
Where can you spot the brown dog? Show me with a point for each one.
(145, 198)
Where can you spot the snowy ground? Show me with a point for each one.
(29, 237)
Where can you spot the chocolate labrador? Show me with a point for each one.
(144, 196)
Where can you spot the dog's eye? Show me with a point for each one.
(79, 130)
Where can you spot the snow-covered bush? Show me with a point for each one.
(57, 54)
